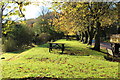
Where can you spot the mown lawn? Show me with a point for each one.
(85, 63)
(0, 45)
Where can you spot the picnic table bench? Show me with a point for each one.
(56, 45)
(114, 50)
(115, 45)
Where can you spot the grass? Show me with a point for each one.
(0, 44)
(38, 62)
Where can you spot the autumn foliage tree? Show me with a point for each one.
(87, 19)
(8, 9)
(11, 8)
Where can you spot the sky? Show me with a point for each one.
(33, 11)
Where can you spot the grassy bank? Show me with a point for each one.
(85, 63)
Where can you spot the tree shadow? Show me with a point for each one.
(70, 52)
(108, 57)
(98, 51)
(49, 78)
(112, 59)
(32, 78)
(47, 46)
(18, 52)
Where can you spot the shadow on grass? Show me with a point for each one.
(69, 52)
(32, 78)
(108, 57)
(49, 78)
(112, 59)
(18, 52)
(47, 46)
(98, 51)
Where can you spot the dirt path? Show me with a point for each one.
(103, 45)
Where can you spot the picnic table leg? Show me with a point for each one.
(62, 48)
(50, 47)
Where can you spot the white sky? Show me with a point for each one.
(33, 11)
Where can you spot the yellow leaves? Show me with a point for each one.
(23, 22)
(16, 11)
(3, 17)
(106, 21)
(34, 24)
(79, 5)
(84, 15)
(27, 3)
(4, 32)
(23, 9)
(1, 3)
(9, 22)
(20, 15)
(43, 20)
(15, 7)
(99, 11)
(8, 6)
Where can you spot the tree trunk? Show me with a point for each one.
(119, 30)
(90, 39)
(82, 37)
(86, 37)
(97, 37)
(91, 36)
(77, 36)
(1, 13)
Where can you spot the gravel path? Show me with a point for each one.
(103, 45)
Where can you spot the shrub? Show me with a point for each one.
(42, 38)
(19, 38)
(45, 37)
(23, 35)
(9, 45)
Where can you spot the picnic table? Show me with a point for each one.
(115, 45)
(56, 45)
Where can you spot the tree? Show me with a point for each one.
(102, 11)
(16, 10)
(88, 18)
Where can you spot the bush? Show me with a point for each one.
(9, 45)
(19, 38)
(45, 37)
(23, 35)
(42, 38)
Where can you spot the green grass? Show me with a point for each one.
(39, 62)
(0, 45)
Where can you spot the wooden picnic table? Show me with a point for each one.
(115, 48)
(56, 45)
(115, 45)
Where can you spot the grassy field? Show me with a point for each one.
(0, 45)
(38, 62)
